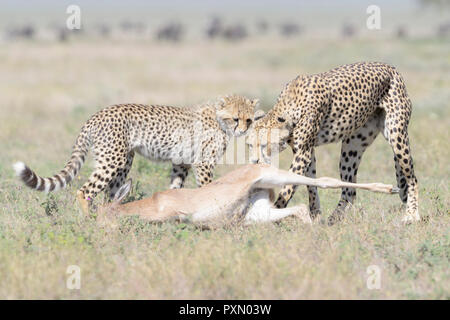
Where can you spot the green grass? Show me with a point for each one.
(49, 90)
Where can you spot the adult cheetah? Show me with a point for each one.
(352, 104)
(189, 137)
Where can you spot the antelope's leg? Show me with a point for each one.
(260, 215)
(262, 210)
(272, 177)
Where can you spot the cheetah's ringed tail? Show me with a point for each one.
(59, 180)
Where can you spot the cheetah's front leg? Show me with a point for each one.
(203, 173)
(303, 163)
(300, 164)
(178, 175)
(314, 201)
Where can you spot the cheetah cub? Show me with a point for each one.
(188, 137)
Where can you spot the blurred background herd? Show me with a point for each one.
(232, 20)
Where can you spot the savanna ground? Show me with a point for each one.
(49, 89)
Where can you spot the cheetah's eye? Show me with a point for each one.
(280, 119)
(249, 121)
(236, 119)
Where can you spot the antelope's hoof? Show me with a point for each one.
(395, 190)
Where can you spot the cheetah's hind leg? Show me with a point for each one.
(396, 133)
(406, 179)
(106, 171)
(116, 183)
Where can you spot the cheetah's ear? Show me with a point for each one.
(255, 103)
(221, 103)
(123, 191)
(259, 114)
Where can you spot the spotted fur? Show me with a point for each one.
(188, 137)
(352, 104)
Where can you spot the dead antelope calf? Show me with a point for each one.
(243, 195)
